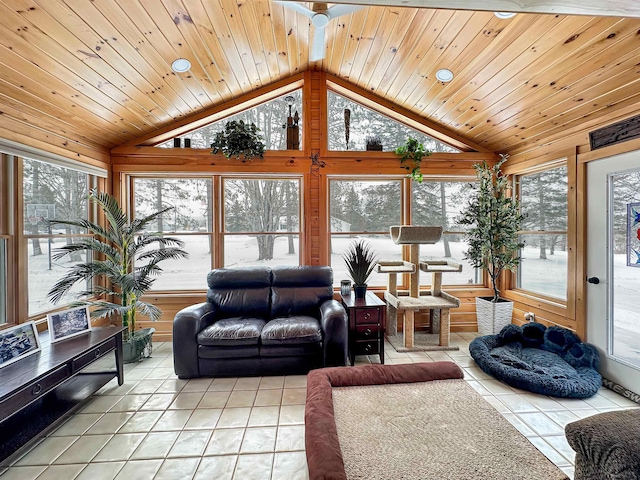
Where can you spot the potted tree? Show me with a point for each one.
(411, 155)
(125, 259)
(239, 140)
(493, 219)
(360, 260)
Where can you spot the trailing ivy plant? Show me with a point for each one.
(411, 155)
(494, 219)
(239, 140)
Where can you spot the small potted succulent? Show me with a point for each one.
(360, 260)
(373, 143)
(239, 140)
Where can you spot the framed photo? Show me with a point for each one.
(69, 323)
(18, 342)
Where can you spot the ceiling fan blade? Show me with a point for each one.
(338, 10)
(298, 8)
(317, 45)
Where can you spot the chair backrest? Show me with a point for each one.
(300, 290)
(240, 292)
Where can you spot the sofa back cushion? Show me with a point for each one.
(300, 290)
(240, 292)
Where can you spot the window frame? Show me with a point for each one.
(18, 242)
(515, 277)
(220, 251)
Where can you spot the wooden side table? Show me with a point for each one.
(366, 325)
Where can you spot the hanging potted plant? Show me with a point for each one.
(239, 140)
(125, 259)
(493, 219)
(411, 155)
(360, 260)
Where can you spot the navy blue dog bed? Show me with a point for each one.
(550, 361)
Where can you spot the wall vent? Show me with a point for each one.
(617, 133)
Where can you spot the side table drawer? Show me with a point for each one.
(93, 355)
(32, 391)
(367, 348)
(367, 332)
(367, 315)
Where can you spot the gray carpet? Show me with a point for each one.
(441, 430)
(422, 342)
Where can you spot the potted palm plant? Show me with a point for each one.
(125, 259)
(239, 140)
(493, 219)
(360, 260)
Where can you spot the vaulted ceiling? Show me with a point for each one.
(99, 72)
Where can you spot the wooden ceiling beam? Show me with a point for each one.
(605, 8)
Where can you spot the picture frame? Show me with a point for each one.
(69, 323)
(633, 234)
(18, 342)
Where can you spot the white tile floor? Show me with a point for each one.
(159, 427)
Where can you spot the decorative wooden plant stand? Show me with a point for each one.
(433, 300)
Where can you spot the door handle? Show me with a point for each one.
(594, 280)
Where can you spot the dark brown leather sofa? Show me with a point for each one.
(262, 321)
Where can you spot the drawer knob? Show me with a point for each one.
(97, 352)
(37, 388)
(367, 332)
(368, 347)
(367, 315)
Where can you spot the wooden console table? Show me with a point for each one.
(366, 325)
(41, 388)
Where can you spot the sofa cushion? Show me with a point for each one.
(232, 332)
(291, 350)
(242, 291)
(243, 351)
(291, 330)
(300, 290)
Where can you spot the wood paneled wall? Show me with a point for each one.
(131, 160)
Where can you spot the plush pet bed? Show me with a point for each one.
(324, 457)
(550, 361)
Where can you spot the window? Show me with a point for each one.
(439, 203)
(364, 122)
(261, 222)
(270, 117)
(49, 192)
(190, 220)
(543, 198)
(364, 209)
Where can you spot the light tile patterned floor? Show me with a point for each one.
(157, 427)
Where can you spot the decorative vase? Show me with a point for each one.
(360, 290)
(492, 316)
(138, 346)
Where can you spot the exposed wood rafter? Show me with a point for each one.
(604, 8)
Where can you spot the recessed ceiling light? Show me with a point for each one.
(504, 15)
(181, 65)
(444, 75)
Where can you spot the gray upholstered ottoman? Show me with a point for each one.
(607, 445)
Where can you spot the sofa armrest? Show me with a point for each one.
(187, 323)
(335, 325)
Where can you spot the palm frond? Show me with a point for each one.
(109, 206)
(151, 311)
(164, 254)
(139, 224)
(108, 309)
(93, 228)
(88, 244)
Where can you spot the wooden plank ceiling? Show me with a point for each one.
(99, 73)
